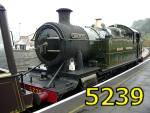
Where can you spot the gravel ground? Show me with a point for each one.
(24, 59)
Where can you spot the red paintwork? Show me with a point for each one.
(45, 95)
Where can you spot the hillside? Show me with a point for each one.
(144, 27)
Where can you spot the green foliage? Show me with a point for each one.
(143, 26)
(146, 36)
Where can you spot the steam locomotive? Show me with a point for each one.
(76, 57)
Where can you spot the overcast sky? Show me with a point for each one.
(25, 16)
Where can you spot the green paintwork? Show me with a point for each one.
(113, 51)
(113, 56)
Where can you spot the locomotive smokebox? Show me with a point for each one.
(64, 15)
(58, 42)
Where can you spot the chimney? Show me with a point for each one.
(64, 15)
(98, 23)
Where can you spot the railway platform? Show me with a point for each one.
(138, 76)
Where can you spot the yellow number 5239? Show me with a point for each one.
(136, 94)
